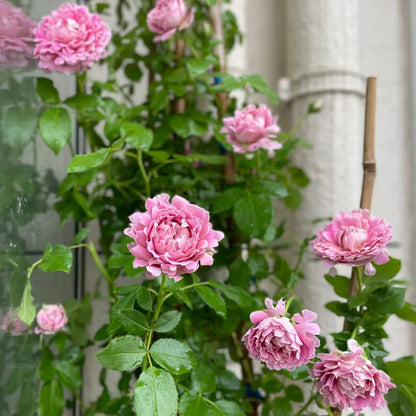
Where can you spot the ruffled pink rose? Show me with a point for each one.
(251, 129)
(354, 238)
(172, 238)
(13, 324)
(347, 379)
(50, 319)
(281, 342)
(16, 37)
(167, 17)
(71, 39)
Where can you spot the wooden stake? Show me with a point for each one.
(369, 176)
(179, 105)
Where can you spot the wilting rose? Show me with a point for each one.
(347, 379)
(167, 17)
(13, 324)
(354, 238)
(50, 319)
(281, 342)
(71, 39)
(172, 238)
(251, 129)
(16, 38)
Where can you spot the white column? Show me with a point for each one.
(323, 58)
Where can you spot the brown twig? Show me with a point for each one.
(179, 105)
(369, 177)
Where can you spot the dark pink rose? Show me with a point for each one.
(13, 324)
(50, 319)
(354, 238)
(347, 379)
(167, 17)
(251, 129)
(281, 342)
(172, 238)
(71, 39)
(16, 38)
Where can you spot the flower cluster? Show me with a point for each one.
(50, 319)
(70, 39)
(281, 342)
(172, 238)
(16, 37)
(167, 17)
(347, 379)
(251, 129)
(355, 239)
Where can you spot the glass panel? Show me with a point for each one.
(29, 175)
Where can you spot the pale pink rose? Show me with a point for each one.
(347, 379)
(71, 39)
(251, 129)
(172, 238)
(13, 324)
(167, 17)
(16, 38)
(281, 342)
(50, 319)
(354, 238)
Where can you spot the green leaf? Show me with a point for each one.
(197, 67)
(340, 284)
(225, 408)
(58, 258)
(294, 393)
(402, 372)
(401, 401)
(386, 300)
(384, 273)
(203, 378)
(172, 355)
(282, 407)
(51, 399)
(192, 405)
(298, 177)
(27, 310)
(16, 282)
(82, 101)
(133, 321)
(212, 299)
(272, 188)
(69, 375)
(355, 301)
(226, 200)
(144, 298)
(258, 265)
(80, 236)
(185, 126)
(260, 85)
(155, 394)
(82, 163)
(46, 91)
(159, 100)
(240, 296)
(407, 313)
(240, 273)
(253, 214)
(168, 321)
(298, 373)
(18, 125)
(123, 353)
(137, 135)
(55, 126)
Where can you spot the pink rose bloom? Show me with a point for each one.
(70, 39)
(346, 379)
(14, 324)
(251, 129)
(50, 319)
(169, 16)
(172, 238)
(281, 342)
(354, 238)
(16, 37)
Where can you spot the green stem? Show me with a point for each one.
(328, 408)
(360, 279)
(307, 404)
(102, 269)
(79, 400)
(195, 284)
(289, 301)
(159, 304)
(355, 332)
(143, 172)
(298, 125)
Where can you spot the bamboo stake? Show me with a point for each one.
(369, 176)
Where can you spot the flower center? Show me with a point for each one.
(351, 238)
